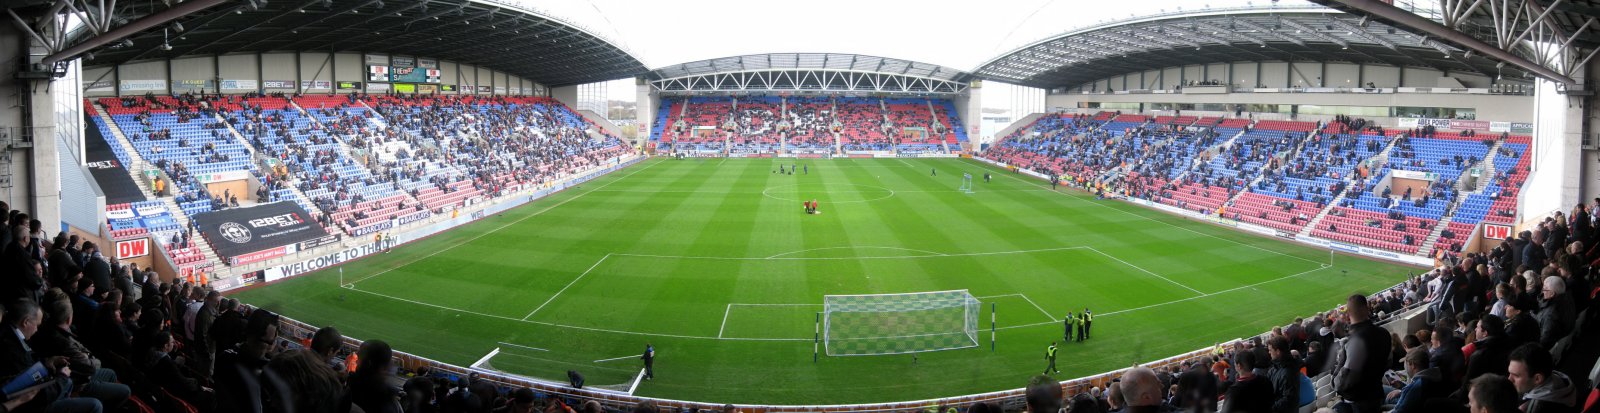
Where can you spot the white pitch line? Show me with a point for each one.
(897, 257)
(519, 220)
(1129, 310)
(1159, 221)
(1041, 309)
(564, 289)
(1097, 251)
(614, 359)
(519, 345)
(930, 253)
(724, 327)
(549, 324)
(904, 162)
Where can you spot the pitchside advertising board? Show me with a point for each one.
(246, 235)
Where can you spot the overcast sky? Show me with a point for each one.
(960, 34)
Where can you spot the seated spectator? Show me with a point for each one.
(1543, 389)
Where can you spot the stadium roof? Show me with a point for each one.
(1225, 35)
(811, 61)
(1517, 33)
(500, 36)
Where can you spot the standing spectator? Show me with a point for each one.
(1556, 314)
(1360, 379)
(1284, 375)
(1543, 389)
(369, 385)
(1251, 393)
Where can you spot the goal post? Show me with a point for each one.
(880, 324)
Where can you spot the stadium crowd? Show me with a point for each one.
(1513, 330)
(98, 335)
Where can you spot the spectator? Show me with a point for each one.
(1490, 353)
(369, 385)
(1284, 375)
(1043, 395)
(238, 371)
(1359, 380)
(1141, 390)
(1426, 384)
(55, 338)
(1251, 393)
(1492, 393)
(1555, 312)
(24, 318)
(300, 381)
(1543, 389)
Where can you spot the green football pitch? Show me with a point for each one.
(714, 263)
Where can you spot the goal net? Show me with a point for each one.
(876, 324)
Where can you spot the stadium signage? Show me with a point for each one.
(256, 233)
(277, 84)
(133, 248)
(390, 224)
(101, 85)
(290, 270)
(142, 85)
(192, 84)
(109, 172)
(447, 88)
(316, 84)
(349, 85)
(485, 89)
(222, 176)
(239, 84)
(258, 256)
(317, 242)
(1492, 231)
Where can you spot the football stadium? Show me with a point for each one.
(408, 206)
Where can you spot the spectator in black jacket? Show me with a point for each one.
(369, 385)
(1251, 393)
(1285, 376)
(238, 371)
(160, 368)
(1543, 389)
(1489, 354)
(1360, 379)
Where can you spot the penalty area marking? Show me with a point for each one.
(522, 346)
(729, 306)
(929, 253)
(352, 284)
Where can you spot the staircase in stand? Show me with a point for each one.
(139, 164)
(1382, 155)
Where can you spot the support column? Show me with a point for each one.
(645, 107)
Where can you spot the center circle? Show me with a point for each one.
(783, 195)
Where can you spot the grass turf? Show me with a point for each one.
(714, 263)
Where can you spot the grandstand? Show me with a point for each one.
(445, 176)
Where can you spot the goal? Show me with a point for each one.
(877, 324)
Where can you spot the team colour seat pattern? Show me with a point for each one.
(1283, 175)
